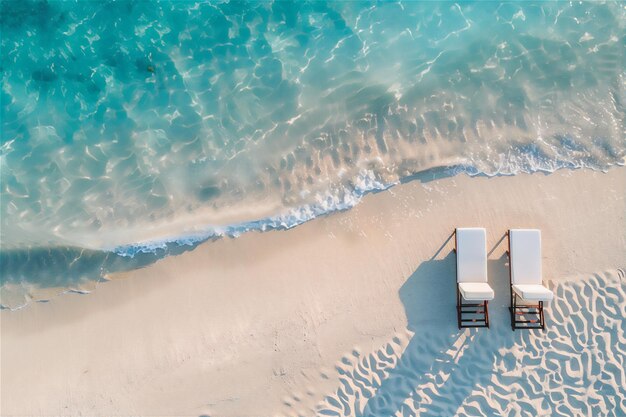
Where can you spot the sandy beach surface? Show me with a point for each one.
(352, 314)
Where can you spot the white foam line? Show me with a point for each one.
(326, 204)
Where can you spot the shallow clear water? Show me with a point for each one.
(129, 125)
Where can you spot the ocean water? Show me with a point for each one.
(132, 130)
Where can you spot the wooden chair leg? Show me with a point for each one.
(513, 309)
(458, 307)
(487, 313)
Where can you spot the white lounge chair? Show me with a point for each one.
(526, 279)
(471, 277)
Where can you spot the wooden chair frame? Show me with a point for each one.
(479, 312)
(523, 310)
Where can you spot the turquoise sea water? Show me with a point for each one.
(130, 128)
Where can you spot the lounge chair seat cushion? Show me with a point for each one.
(476, 291)
(533, 292)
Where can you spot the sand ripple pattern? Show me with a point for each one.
(576, 368)
(127, 114)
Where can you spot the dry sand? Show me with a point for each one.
(351, 314)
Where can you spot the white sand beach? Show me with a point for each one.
(352, 314)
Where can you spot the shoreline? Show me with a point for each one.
(276, 222)
(244, 326)
(196, 229)
(168, 245)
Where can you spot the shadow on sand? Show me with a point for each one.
(441, 364)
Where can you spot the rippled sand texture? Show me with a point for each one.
(120, 115)
(575, 368)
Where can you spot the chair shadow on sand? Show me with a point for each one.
(441, 365)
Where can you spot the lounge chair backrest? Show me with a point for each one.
(471, 255)
(525, 256)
